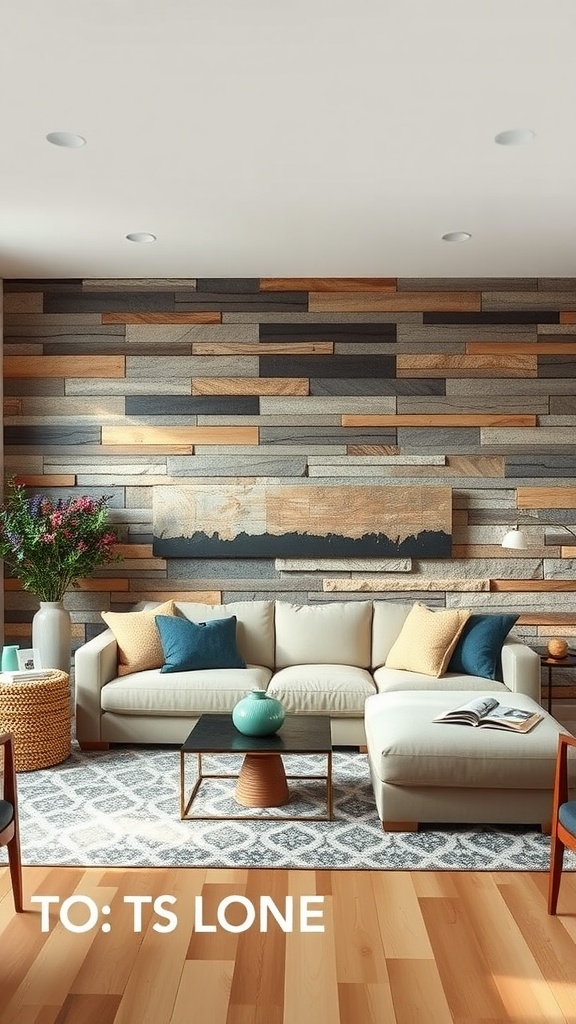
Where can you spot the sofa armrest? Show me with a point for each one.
(96, 663)
(521, 668)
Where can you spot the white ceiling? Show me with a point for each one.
(304, 138)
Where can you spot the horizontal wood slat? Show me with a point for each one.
(442, 365)
(96, 583)
(439, 420)
(250, 386)
(327, 284)
(13, 406)
(568, 317)
(262, 348)
(546, 497)
(173, 594)
(173, 435)
(534, 586)
(64, 366)
(372, 449)
(365, 302)
(162, 318)
(497, 551)
(546, 618)
(133, 550)
(557, 347)
(47, 479)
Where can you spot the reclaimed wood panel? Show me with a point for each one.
(359, 302)
(174, 434)
(568, 317)
(440, 365)
(261, 520)
(327, 284)
(439, 420)
(23, 302)
(64, 366)
(171, 593)
(536, 348)
(534, 586)
(200, 317)
(546, 618)
(262, 348)
(546, 497)
(48, 479)
(250, 386)
(13, 406)
(372, 449)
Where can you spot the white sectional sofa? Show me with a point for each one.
(316, 658)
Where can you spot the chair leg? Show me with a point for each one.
(15, 863)
(556, 861)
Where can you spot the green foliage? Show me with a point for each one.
(49, 545)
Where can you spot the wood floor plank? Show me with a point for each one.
(359, 953)
(204, 985)
(260, 960)
(401, 924)
(417, 992)
(368, 1004)
(466, 980)
(310, 987)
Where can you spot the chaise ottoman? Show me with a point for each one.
(426, 771)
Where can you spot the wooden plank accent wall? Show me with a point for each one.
(126, 387)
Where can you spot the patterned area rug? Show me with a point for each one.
(121, 809)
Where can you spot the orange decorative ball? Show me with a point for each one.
(557, 648)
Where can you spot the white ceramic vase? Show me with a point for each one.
(52, 634)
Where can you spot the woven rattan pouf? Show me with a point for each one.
(38, 716)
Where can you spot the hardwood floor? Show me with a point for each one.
(398, 948)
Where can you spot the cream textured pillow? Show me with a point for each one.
(138, 639)
(427, 639)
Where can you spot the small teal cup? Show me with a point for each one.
(9, 661)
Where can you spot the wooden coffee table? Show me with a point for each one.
(262, 780)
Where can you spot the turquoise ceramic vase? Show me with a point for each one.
(10, 658)
(258, 714)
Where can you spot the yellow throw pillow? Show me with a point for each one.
(427, 639)
(138, 639)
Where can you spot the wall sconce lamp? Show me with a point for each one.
(516, 538)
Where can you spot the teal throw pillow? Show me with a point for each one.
(478, 650)
(198, 645)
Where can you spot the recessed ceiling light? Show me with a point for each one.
(141, 236)
(515, 137)
(66, 139)
(456, 236)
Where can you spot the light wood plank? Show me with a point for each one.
(327, 284)
(546, 497)
(204, 985)
(250, 386)
(442, 365)
(64, 366)
(263, 348)
(439, 420)
(310, 981)
(402, 927)
(150, 594)
(146, 435)
(372, 449)
(162, 318)
(417, 992)
(536, 348)
(48, 479)
(360, 302)
(534, 586)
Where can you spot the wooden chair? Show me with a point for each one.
(563, 820)
(9, 834)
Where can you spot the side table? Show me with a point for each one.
(37, 713)
(568, 661)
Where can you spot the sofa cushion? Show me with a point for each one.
(254, 627)
(480, 645)
(189, 646)
(389, 680)
(427, 639)
(407, 748)
(212, 691)
(338, 690)
(137, 637)
(338, 633)
(389, 617)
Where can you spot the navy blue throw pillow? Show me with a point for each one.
(478, 650)
(198, 645)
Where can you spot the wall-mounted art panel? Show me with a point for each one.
(275, 521)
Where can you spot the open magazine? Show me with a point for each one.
(488, 713)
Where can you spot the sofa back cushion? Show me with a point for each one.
(323, 634)
(254, 627)
(389, 617)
